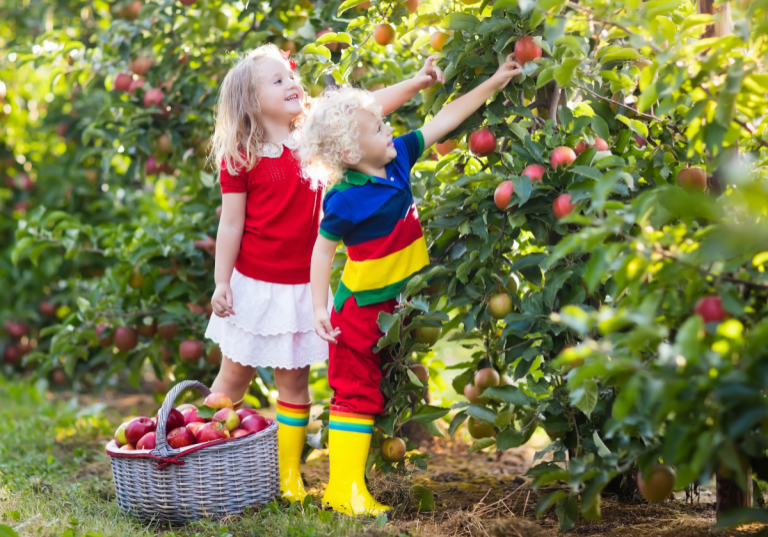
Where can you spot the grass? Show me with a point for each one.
(55, 480)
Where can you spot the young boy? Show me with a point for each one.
(344, 142)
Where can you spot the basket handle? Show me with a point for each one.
(162, 449)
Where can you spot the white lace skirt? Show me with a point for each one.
(273, 325)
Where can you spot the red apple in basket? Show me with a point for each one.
(180, 437)
(137, 428)
(229, 417)
(245, 412)
(190, 416)
(127, 447)
(237, 433)
(186, 406)
(212, 431)
(217, 401)
(195, 427)
(175, 420)
(147, 441)
(120, 439)
(254, 424)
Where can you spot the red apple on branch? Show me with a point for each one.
(473, 395)
(140, 66)
(482, 142)
(503, 195)
(500, 305)
(438, 40)
(535, 172)
(692, 179)
(393, 449)
(526, 50)
(126, 339)
(135, 84)
(658, 485)
(710, 309)
(384, 34)
(411, 5)
(445, 147)
(487, 377)
(122, 81)
(191, 350)
(104, 340)
(562, 206)
(167, 331)
(562, 156)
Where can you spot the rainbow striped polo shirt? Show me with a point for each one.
(377, 219)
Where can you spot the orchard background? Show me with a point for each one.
(588, 325)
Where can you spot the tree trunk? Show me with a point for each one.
(721, 27)
(730, 495)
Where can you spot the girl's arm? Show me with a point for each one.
(319, 280)
(227, 247)
(393, 97)
(457, 111)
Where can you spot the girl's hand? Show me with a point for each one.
(509, 69)
(323, 327)
(430, 74)
(221, 302)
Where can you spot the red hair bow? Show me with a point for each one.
(287, 56)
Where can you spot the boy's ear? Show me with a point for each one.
(350, 158)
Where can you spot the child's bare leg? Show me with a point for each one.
(233, 379)
(293, 384)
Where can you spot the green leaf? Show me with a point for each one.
(585, 397)
(567, 512)
(432, 429)
(7, 531)
(424, 496)
(332, 37)
(548, 501)
(509, 438)
(413, 378)
(739, 516)
(507, 394)
(564, 73)
(206, 412)
(349, 4)
(83, 305)
(481, 444)
(600, 127)
(463, 22)
(427, 413)
(21, 249)
(481, 413)
(602, 449)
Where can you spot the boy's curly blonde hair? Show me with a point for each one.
(239, 132)
(330, 132)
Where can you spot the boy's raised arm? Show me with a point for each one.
(395, 96)
(457, 111)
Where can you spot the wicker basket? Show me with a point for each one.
(210, 480)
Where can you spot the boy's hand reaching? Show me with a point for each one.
(430, 74)
(509, 69)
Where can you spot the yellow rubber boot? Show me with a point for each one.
(349, 440)
(292, 422)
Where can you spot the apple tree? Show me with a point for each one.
(605, 262)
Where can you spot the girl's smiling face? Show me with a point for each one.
(280, 95)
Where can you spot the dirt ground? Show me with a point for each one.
(487, 495)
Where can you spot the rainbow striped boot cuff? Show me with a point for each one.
(342, 420)
(295, 415)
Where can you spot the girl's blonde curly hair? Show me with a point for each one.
(330, 132)
(239, 132)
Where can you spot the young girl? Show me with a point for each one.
(269, 222)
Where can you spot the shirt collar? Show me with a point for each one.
(271, 150)
(356, 178)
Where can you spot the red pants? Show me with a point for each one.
(354, 371)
